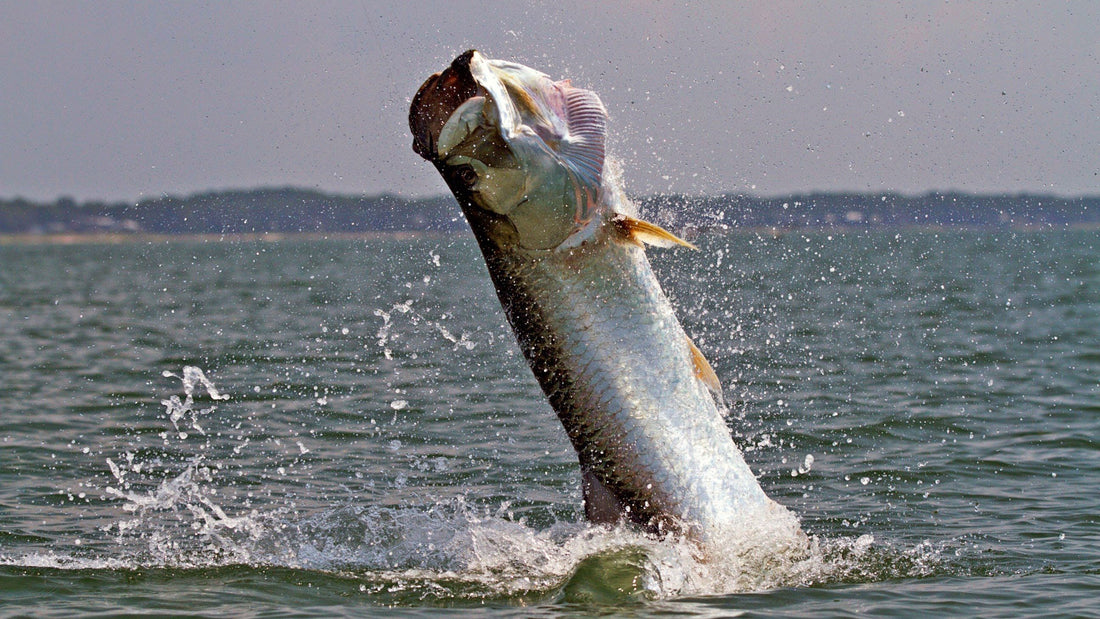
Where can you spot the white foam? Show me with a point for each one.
(445, 548)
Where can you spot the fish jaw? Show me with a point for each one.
(515, 147)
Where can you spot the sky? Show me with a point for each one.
(127, 100)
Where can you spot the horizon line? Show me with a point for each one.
(639, 196)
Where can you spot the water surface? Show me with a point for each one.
(369, 441)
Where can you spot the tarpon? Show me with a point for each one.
(525, 157)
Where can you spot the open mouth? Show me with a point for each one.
(510, 140)
(436, 100)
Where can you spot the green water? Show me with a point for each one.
(927, 403)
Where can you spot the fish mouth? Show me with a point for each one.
(512, 142)
(437, 100)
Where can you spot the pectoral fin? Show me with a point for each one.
(643, 232)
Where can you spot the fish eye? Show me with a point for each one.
(466, 174)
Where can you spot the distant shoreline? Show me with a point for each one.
(116, 238)
(288, 212)
(122, 238)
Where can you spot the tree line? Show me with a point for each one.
(293, 210)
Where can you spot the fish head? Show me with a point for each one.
(517, 149)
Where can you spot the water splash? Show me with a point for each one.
(173, 506)
(177, 409)
(385, 331)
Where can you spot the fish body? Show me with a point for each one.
(524, 156)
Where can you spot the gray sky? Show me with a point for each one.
(119, 100)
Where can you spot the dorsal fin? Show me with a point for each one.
(705, 372)
(644, 232)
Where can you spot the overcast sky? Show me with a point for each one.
(120, 100)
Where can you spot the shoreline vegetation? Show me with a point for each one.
(271, 214)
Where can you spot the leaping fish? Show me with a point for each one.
(525, 157)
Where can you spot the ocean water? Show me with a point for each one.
(346, 428)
